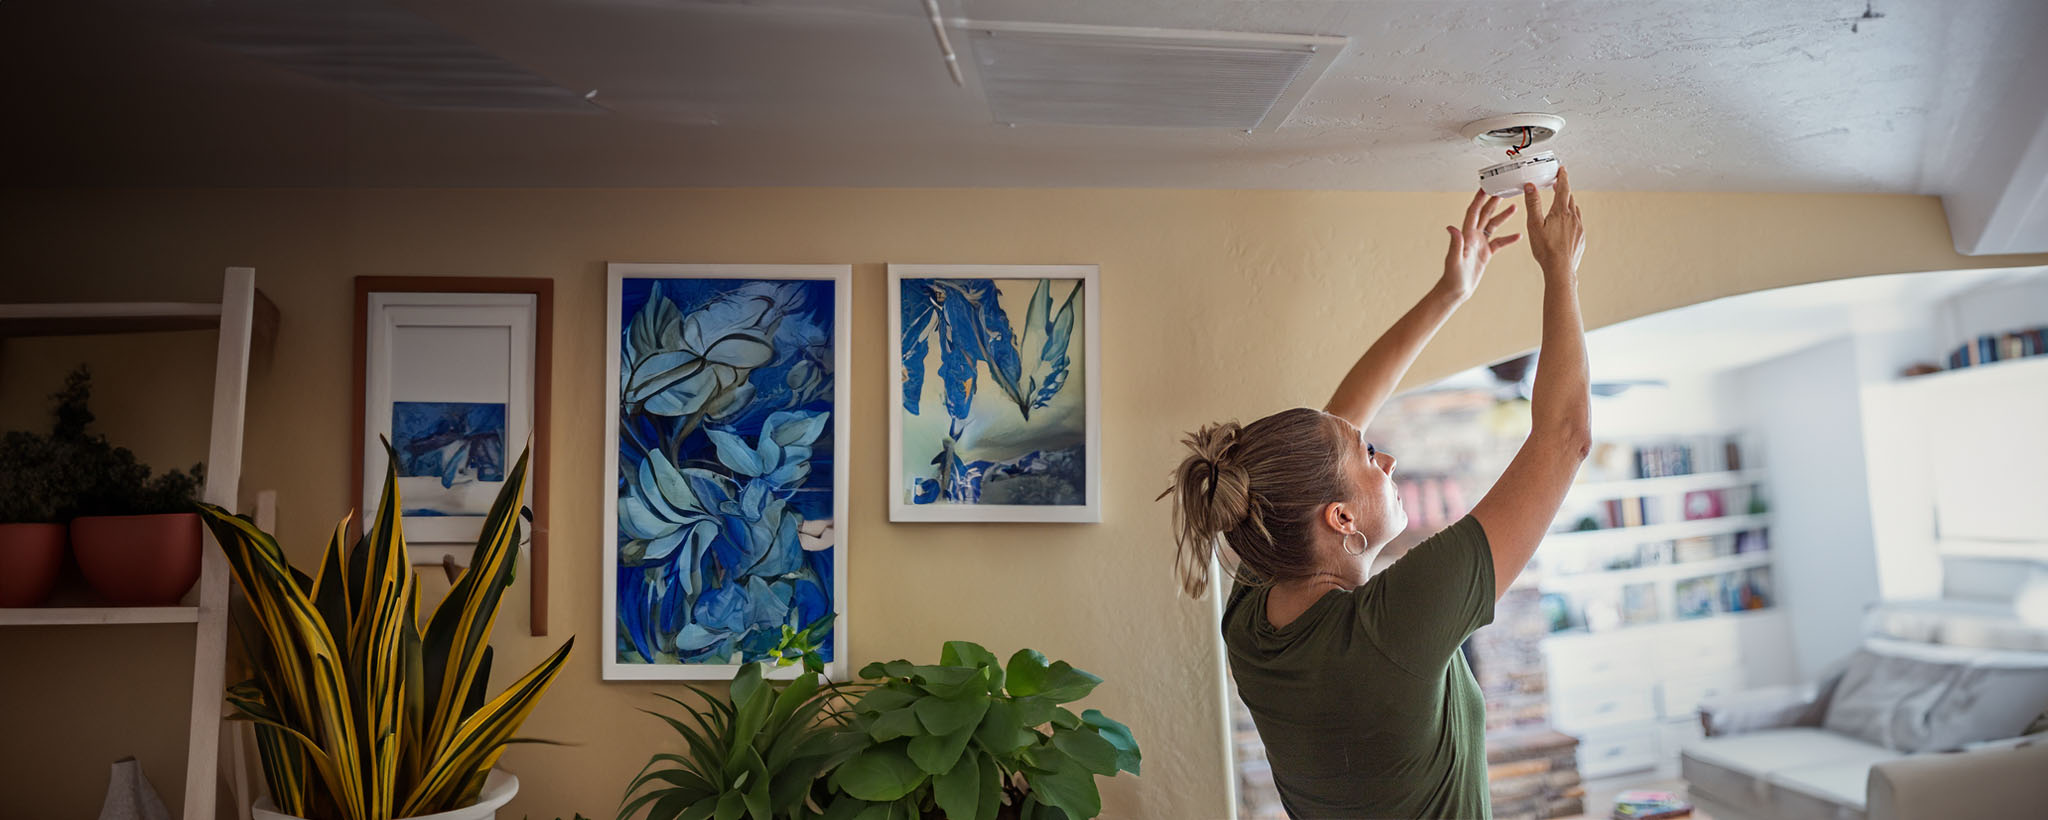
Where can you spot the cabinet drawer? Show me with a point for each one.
(1606, 753)
(1591, 663)
(1700, 646)
(1591, 707)
(1682, 695)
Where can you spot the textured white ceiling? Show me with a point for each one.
(1746, 95)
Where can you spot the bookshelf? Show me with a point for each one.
(247, 322)
(1657, 592)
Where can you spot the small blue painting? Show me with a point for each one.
(455, 442)
(993, 407)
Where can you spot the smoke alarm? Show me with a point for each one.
(1515, 134)
(1517, 131)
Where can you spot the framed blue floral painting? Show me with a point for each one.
(996, 410)
(726, 433)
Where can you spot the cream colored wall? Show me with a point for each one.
(1216, 304)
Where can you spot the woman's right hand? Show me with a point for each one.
(1557, 238)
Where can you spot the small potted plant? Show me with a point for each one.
(136, 537)
(972, 739)
(33, 502)
(362, 712)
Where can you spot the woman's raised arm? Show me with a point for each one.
(1372, 379)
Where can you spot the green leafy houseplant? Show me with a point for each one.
(71, 472)
(360, 713)
(759, 753)
(972, 739)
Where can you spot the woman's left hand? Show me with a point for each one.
(1475, 244)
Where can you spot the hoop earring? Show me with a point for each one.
(1362, 544)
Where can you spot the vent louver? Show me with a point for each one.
(1049, 74)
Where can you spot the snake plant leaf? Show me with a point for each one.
(480, 739)
(456, 638)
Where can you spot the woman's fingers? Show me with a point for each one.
(1472, 210)
(1457, 244)
(1534, 199)
(1494, 223)
(1502, 242)
(1564, 191)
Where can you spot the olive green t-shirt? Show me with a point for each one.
(1365, 704)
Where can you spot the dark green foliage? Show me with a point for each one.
(964, 738)
(71, 472)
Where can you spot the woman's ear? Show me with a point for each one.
(1337, 518)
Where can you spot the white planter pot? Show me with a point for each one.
(499, 788)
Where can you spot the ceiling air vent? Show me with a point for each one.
(387, 53)
(1053, 74)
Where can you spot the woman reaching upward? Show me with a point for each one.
(1366, 707)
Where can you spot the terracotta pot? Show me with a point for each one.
(138, 560)
(30, 555)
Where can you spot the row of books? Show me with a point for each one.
(1606, 608)
(1640, 511)
(1654, 553)
(1999, 347)
(1699, 454)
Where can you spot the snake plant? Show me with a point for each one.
(360, 712)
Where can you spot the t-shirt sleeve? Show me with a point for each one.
(1420, 609)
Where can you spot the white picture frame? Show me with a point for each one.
(619, 276)
(904, 498)
(424, 349)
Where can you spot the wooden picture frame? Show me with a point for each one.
(479, 302)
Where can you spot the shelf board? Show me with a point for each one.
(90, 615)
(1659, 572)
(92, 318)
(1659, 532)
(1572, 636)
(1663, 485)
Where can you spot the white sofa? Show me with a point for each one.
(1899, 731)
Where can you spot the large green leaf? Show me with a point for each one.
(879, 773)
(999, 731)
(1088, 749)
(939, 753)
(892, 669)
(991, 801)
(958, 791)
(1118, 735)
(949, 681)
(1060, 682)
(886, 699)
(900, 723)
(965, 653)
(1068, 786)
(944, 716)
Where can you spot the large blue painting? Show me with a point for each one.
(726, 490)
(994, 420)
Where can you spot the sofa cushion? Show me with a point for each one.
(1737, 769)
(1919, 698)
(1805, 791)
